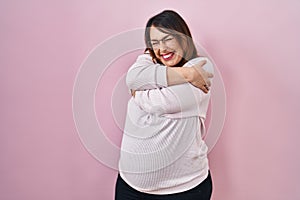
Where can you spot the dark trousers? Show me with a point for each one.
(202, 191)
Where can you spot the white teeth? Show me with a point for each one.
(167, 56)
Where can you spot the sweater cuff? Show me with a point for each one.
(161, 76)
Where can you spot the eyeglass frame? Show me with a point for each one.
(164, 40)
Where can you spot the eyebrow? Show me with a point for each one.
(161, 39)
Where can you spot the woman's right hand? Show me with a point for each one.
(198, 77)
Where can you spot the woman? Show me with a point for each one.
(163, 155)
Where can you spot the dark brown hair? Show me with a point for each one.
(172, 23)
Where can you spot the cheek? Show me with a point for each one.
(177, 48)
(156, 53)
(174, 46)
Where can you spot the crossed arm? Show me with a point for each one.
(161, 90)
(144, 74)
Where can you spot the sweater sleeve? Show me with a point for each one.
(176, 101)
(173, 102)
(144, 74)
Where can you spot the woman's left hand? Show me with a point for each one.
(132, 93)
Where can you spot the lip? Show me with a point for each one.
(167, 56)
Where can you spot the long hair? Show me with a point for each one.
(172, 23)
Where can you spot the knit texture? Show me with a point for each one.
(162, 150)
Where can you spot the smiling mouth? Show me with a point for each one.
(168, 56)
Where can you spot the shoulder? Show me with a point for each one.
(207, 67)
(144, 56)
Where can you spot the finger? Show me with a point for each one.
(203, 62)
(210, 75)
(200, 64)
(208, 83)
(207, 87)
(204, 89)
(133, 93)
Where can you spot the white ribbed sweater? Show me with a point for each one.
(162, 150)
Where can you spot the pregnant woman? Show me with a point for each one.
(163, 155)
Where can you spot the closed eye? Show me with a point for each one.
(168, 39)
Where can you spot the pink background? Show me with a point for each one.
(255, 44)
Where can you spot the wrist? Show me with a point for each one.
(179, 75)
(188, 73)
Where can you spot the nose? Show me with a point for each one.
(162, 47)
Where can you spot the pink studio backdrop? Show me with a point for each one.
(255, 45)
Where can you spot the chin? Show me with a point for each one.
(170, 63)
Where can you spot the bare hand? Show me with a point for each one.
(199, 77)
(133, 93)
